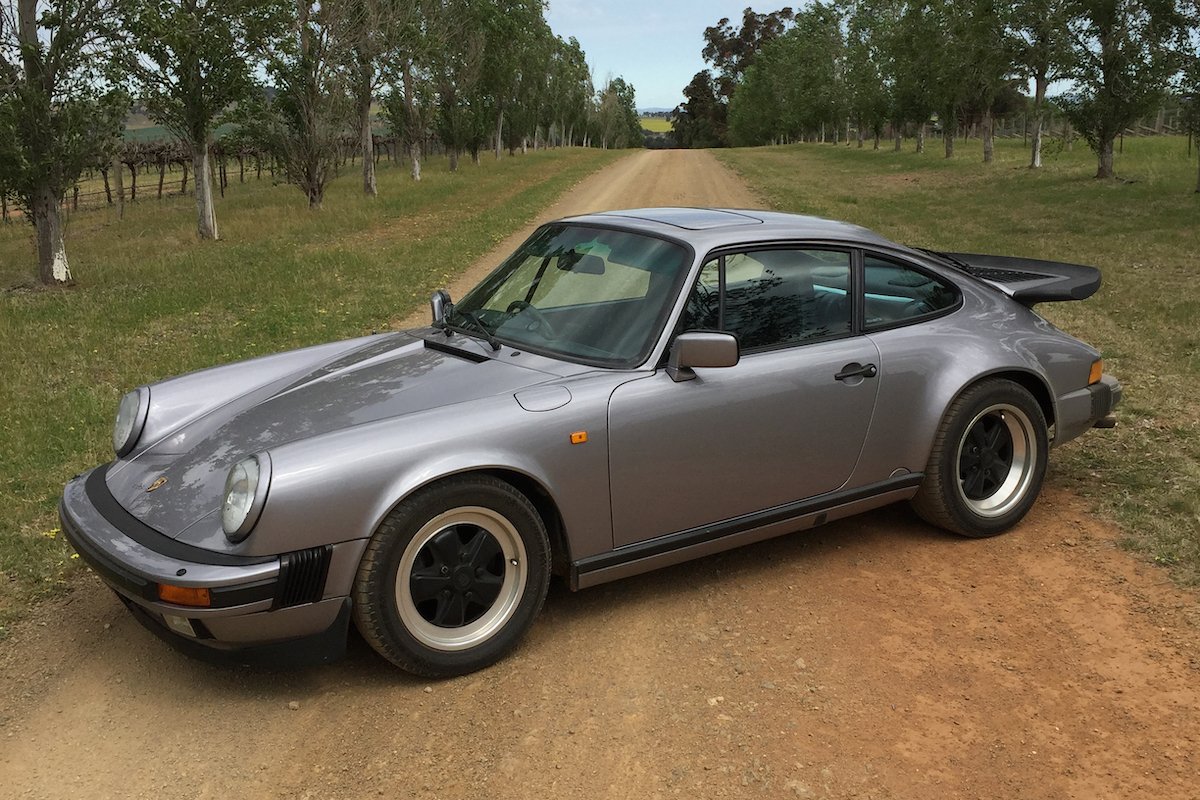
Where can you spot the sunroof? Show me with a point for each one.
(692, 219)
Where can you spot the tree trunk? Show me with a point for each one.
(899, 133)
(1104, 166)
(364, 129)
(921, 138)
(1198, 176)
(876, 147)
(499, 130)
(315, 196)
(989, 126)
(183, 183)
(948, 140)
(107, 186)
(1039, 100)
(206, 216)
(416, 163)
(118, 171)
(52, 253)
(162, 176)
(454, 159)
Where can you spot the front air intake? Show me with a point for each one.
(302, 576)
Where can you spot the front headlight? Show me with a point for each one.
(245, 492)
(131, 418)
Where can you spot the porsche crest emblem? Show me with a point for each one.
(158, 484)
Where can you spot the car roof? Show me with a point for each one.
(712, 227)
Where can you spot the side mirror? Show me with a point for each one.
(440, 304)
(701, 349)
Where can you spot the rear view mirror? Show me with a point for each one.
(439, 304)
(701, 349)
(582, 263)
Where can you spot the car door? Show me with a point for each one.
(785, 424)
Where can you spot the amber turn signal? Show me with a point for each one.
(1097, 372)
(578, 437)
(184, 595)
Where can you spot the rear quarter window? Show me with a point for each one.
(896, 293)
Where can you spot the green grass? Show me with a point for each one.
(152, 301)
(1142, 231)
(655, 124)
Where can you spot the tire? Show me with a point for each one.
(987, 463)
(453, 577)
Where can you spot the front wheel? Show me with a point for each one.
(988, 461)
(453, 577)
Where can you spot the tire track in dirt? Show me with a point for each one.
(876, 657)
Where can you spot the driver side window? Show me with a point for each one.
(773, 298)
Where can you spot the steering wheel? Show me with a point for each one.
(542, 324)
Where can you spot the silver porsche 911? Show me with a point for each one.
(627, 391)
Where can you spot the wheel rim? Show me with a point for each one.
(461, 578)
(997, 457)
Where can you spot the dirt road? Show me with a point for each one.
(871, 658)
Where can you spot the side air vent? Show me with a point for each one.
(302, 576)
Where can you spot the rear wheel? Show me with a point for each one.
(988, 461)
(453, 577)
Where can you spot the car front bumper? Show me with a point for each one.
(285, 608)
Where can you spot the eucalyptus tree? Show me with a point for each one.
(304, 122)
(1124, 54)
(456, 70)
(700, 121)
(617, 118)
(510, 28)
(915, 75)
(381, 36)
(1041, 36)
(868, 81)
(733, 49)
(190, 61)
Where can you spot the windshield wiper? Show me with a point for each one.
(477, 324)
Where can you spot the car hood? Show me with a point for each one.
(388, 378)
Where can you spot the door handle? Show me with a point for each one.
(856, 370)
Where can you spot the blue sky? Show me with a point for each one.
(653, 44)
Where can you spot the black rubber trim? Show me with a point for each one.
(443, 347)
(319, 648)
(112, 574)
(117, 576)
(747, 522)
(116, 515)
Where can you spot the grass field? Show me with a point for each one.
(152, 301)
(1143, 232)
(656, 124)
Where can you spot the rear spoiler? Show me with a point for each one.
(1028, 280)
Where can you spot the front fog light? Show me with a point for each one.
(245, 493)
(131, 418)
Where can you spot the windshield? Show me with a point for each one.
(585, 294)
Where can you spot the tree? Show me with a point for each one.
(1123, 54)
(733, 50)
(191, 61)
(1042, 53)
(456, 70)
(57, 113)
(700, 121)
(617, 115)
(915, 75)
(304, 122)
(381, 35)
(868, 83)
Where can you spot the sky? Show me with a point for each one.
(653, 44)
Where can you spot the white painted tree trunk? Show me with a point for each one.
(989, 130)
(52, 252)
(1039, 99)
(416, 163)
(206, 217)
(368, 144)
